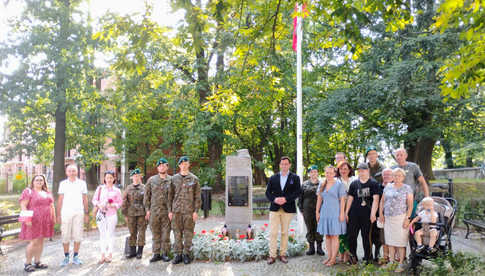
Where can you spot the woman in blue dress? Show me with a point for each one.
(330, 213)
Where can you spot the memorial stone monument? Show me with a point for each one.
(239, 193)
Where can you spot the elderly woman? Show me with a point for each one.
(307, 204)
(396, 208)
(39, 224)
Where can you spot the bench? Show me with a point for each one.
(475, 220)
(260, 203)
(5, 220)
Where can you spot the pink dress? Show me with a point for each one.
(42, 221)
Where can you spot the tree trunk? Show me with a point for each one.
(448, 154)
(469, 159)
(92, 178)
(59, 147)
(259, 175)
(425, 157)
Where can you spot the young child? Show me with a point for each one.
(427, 215)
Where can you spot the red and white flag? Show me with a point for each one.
(295, 25)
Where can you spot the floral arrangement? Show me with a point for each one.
(212, 246)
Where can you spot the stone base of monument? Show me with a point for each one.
(239, 193)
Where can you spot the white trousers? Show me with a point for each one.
(106, 234)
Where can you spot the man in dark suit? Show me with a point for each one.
(282, 190)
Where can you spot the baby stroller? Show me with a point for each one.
(446, 209)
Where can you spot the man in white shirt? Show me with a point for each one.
(73, 208)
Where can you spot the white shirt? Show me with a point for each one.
(73, 196)
(426, 217)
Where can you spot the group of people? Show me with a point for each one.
(168, 203)
(379, 203)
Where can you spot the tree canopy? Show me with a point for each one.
(385, 73)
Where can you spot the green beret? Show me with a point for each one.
(162, 161)
(371, 148)
(135, 171)
(312, 167)
(183, 159)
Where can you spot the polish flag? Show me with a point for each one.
(295, 25)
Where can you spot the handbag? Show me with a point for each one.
(99, 215)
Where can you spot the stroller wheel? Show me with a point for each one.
(415, 262)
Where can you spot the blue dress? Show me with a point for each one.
(329, 223)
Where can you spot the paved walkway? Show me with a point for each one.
(12, 264)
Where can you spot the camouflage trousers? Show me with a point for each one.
(160, 225)
(137, 226)
(311, 226)
(183, 228)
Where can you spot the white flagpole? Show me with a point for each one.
(299, 120)
(299, 113)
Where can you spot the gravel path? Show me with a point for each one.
(12, 263)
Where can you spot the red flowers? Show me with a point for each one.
(292, 230)
(220, 236)
(110, 201)
(242, 236)
(211, 231)
(265, 225)
(203, 231)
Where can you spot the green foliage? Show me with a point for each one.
(20, 182)
(448, 265)
(464, 70)
(215, 247)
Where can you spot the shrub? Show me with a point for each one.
(19, 182)
(214, 247)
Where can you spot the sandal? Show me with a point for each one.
(29, 268)
(383, 261)
(352, 260)
(40, 265)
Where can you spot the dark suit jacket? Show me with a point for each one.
(291, 192)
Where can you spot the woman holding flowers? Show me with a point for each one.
(107, 200)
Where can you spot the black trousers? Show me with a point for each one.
(376, 238)
(359, 220)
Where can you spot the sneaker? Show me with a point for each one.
(76, 260)
(419, 249)
(432, 250)
(65, 261)
(400, 268)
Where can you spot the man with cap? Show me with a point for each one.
(184, 203)
(157, 205)
(361, 209)
(375, 167)
(375, 171)
(134, 210)
(307, 204)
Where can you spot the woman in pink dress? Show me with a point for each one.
(38, 199)
(107, 199)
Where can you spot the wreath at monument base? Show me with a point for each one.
(209, 246)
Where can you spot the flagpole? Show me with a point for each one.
(299, 107)
(299, 113)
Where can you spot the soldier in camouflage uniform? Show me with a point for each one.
(134, 212)
(185, 202)
(307, 204)
(157, 204)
